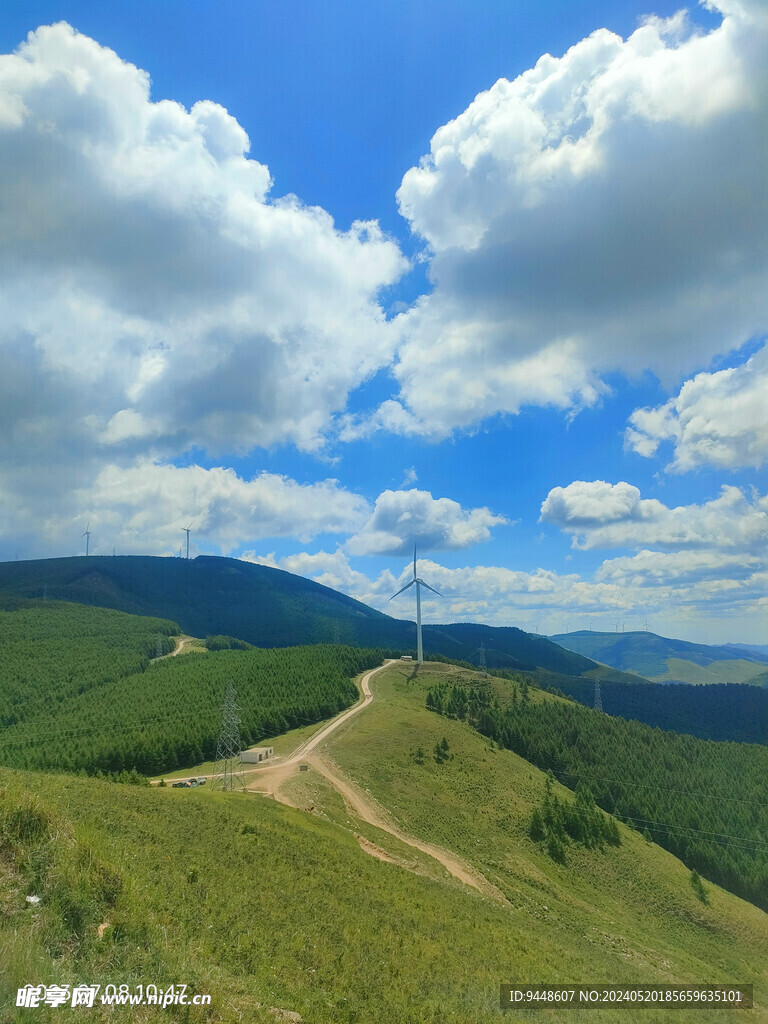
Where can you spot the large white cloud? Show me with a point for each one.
(154, 299)
(143, 507)
(601, 515)
(605, 210)
(717, 419)
(402, 518)
(588, 504)
(149, 280)
(654, 568)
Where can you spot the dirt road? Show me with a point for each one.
(363, 806)
(269, 779)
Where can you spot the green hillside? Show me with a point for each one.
(704, 801)
(277, 911)
(266, 607)
(80, 692)
(52, 651)
(664, 660)
(737, 670)
(720, 711)
(83, 689)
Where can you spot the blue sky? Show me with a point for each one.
(541, 356)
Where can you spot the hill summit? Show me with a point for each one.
(267, 607)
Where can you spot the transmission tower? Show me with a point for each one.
(481, 663)
(598, 698)
(159, 647)
(227, 774)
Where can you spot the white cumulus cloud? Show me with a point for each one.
(717, 419)
(606, 210)
(601, 515)
(142, 508)
(147, 270)
(589, 504)
(402, 518)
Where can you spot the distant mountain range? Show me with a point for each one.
(663, 660)
(271, 608)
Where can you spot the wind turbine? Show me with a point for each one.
(419, 583)
(186, 529)
(87, 536)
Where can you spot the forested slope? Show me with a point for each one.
(705, 802)
(52, 651)
(721, 711)
(169, 716)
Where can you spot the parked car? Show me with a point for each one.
(180, 784)
(201, 780)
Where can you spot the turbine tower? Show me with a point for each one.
(419, 583)
(186, 529)
(87, 536)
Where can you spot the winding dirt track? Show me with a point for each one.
(269, 779)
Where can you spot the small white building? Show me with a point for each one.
(256, 754)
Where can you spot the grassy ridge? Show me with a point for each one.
(627, 913)
(264, 906)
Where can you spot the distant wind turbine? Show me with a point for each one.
(419, 583)
(186, 529)
(87, 536)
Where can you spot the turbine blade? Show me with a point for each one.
(402, 589)
(429, 588)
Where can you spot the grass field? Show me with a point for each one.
(268, 907)
(680, 670)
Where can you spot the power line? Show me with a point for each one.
(688, 832)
